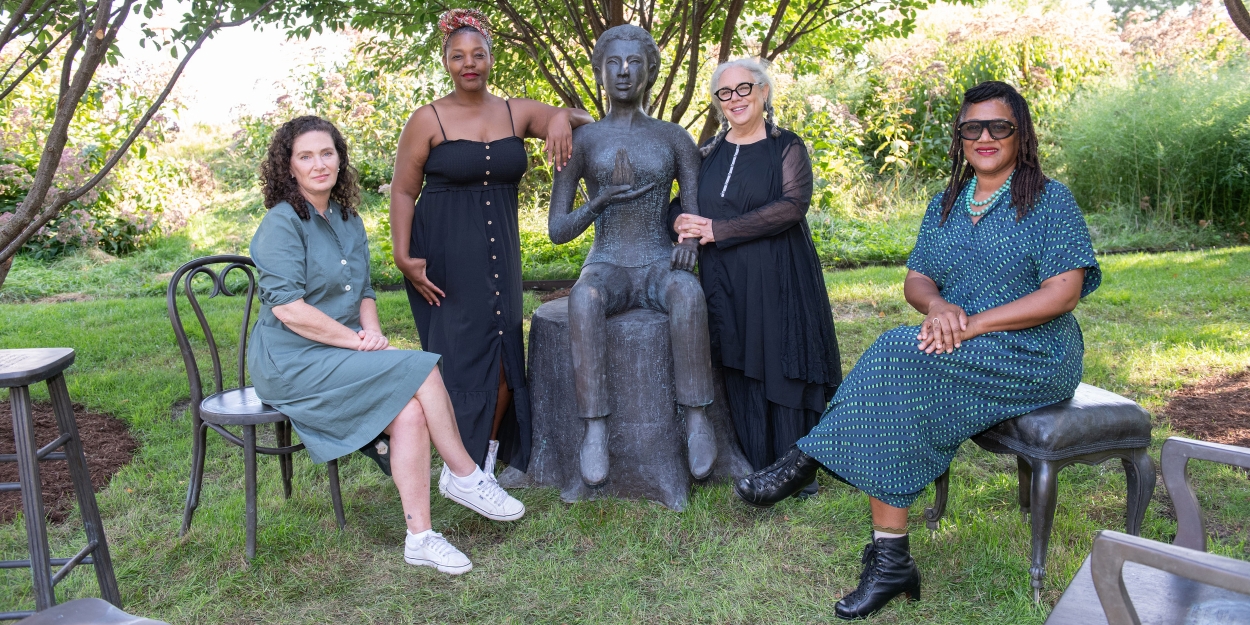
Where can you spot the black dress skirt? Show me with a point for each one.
(465, 226)
(768, 312)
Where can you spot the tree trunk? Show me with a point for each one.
(4, 270)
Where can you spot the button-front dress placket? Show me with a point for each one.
(465, 224)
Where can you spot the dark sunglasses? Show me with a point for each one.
(999, 129)
(726, 94)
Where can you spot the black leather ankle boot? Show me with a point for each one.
(781, 479)
(889, 571)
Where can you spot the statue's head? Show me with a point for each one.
(626, 63)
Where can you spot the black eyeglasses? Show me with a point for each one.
(726, 94)
(999, 129)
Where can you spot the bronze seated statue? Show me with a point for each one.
(629, 161)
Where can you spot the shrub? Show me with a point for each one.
(915, 85)
(144, 196)
(368, 105)
(1176, 146)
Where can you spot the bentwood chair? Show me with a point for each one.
(230, 407)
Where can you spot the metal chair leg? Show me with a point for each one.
(282, 432)
(333, 467)
(1045, 475)
(199, 443)
(32, 497)
(249, 478)
(941, 487)
(81, 477)
(1024, 471)
(1139, 472)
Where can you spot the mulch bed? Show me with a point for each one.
(106, 443)
(547, 296)
(1216, 409)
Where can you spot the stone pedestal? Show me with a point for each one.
(646, 430)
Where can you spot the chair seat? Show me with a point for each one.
(238, 406)
(88, 611)
(1093, 420)
(1158, 596)
(24, 367)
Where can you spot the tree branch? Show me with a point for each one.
(24, 26)
(778, 15)
(19, 15)
(142, 124)
(680, 52)
(800, 33)
(726, 47)
(32, 66)
(58, 134)
(25, 223)
(692, 72)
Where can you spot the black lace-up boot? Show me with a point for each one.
(781, 479)
(889, 571)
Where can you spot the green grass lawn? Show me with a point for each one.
(1158, 322)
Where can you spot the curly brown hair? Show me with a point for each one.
(277, 183)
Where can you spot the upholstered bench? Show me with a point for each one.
(1094, 426)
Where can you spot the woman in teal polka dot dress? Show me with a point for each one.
(1002, 259)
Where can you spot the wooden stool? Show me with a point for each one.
(19, 368)
(1094, 426)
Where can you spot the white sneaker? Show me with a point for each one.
(434, 551)
(492, 452)
(486, 497)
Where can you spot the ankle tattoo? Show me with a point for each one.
(889, 530)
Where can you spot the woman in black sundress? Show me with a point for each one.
(459, 248)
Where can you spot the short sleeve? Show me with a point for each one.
(920, 260)
(1065, 244)
(278, 249)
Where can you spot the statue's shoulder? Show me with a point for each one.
(589, 132)
(673, 132)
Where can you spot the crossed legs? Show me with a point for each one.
(428, 417)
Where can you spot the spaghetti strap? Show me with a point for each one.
(440, 121)
(505, 103)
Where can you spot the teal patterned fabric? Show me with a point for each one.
(898, 418)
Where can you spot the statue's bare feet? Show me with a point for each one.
(595, 452)
(700, 441)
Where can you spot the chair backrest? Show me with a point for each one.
(184, 278)
(1191, 530)
(1185, 557)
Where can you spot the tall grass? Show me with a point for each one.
(1175, 147)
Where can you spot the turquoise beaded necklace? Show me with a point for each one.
(988, 202)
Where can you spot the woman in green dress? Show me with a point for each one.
(317, 352)
(1002, 259)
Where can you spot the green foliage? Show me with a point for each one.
(1177, 147)
(543, 46)
(914, 87)
(368, 105)
(147, 193)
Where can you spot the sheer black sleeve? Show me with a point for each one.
(780, 214)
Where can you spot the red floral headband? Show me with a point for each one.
(455, 19)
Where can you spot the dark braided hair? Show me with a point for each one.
(277, 183)
(1028, 182)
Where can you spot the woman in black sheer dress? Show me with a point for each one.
(768, 312)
